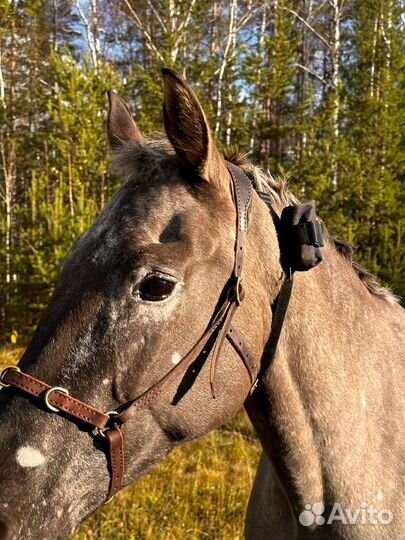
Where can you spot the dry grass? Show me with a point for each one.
(200, 492)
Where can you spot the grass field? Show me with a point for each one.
(200, 492)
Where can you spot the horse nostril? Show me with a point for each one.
(5, 531)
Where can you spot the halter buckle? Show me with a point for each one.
(101, 431)
(48, 395)
(3, 384)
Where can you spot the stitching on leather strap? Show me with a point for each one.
(12, 380)
(62, 406)
(247, 206)
(92, 414)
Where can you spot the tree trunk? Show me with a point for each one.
(335, 49)
(260, 51)
(224, 64)
(9, 158)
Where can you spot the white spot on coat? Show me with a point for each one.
(27, 456)
(363, 401)
(380, 496)
(106, 382)
(176, 358)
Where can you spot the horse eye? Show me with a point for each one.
(155, 288)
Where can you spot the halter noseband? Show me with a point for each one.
(108, 424)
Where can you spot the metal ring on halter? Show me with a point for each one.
(49, 392)
(3, 384)
(100, 431)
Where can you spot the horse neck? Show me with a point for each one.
(335, 332)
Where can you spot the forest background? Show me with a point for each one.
(313, 89)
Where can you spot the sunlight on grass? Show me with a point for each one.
(9, 355)
(200, 492)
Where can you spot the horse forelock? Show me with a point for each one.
(141, 162)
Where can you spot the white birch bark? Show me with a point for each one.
(225, 59)
(2, 83)
(91, 27)
(8, 152)
(373, 53)
(336, 46)
(255, 104)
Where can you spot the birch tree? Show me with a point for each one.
(8, 144)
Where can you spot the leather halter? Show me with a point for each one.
(108, 425)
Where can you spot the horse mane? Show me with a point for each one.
(138, 157)
(279, 191)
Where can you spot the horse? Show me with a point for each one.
(98, 398)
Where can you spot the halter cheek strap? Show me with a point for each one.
(109, 425)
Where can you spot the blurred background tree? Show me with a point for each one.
(313, 89)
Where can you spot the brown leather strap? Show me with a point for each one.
(54, 397)
(242, 349)
(219, 344)
(242, 190)
(117, 464)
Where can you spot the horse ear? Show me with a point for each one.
(187, 129)
(121, 125)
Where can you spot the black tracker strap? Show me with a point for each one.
(300, 237)
(279, 308)
(310, 233)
